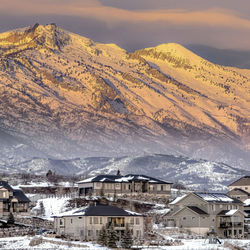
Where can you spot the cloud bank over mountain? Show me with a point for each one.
(138, 24)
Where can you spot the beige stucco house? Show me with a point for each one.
(130, 184)
(242, 183)
(86, 223)
(12, 201)
(239, 194)
(201, 212)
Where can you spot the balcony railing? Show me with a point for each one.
(230, 224)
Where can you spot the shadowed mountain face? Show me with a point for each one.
(63, 96)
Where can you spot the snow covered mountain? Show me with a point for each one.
(64, 96)
(196, 174)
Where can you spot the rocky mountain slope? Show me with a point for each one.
(64, 96)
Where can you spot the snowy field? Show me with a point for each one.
(23, 243)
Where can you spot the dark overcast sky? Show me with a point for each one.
(134, 24)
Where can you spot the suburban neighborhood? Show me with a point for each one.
(125, 211)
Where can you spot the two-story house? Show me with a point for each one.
(128, 184)
(86, 223)
(242, 183)
(240, 188)
(12, 201)
(201, 212)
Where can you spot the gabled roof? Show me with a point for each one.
(136, 177)
(100, 210)
(197, 210)
(20, 196)
(127, 178)
(100, 178)
(230, 212)
(217, 198)
(208, 197)
(177, 199)
(239, 190)
(6, 185)
(243, 181)
(193, 209)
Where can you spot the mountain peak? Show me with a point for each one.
(49, 36)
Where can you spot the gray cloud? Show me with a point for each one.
(135, 24)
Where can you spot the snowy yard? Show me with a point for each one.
(199, 244)
(23, 243)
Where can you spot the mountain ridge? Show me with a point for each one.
(66, 95)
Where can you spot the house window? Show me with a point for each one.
(137, 221)
(100, 220)
(184, 218)
(61, 221)
(90, 220)
(71, 221)
(95, 220)
(79, 217)
(90, 232)
(97, 233)
(235, 232)
(240, 231)
(246, 188)
(131, 221)
(138, 233)
(162, 187)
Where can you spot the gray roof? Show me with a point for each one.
(239, 190)
(197, 210)
(100, 210)
(127, 178)
(217, 197)
(20, 196)
(6, 185)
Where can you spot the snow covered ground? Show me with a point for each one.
(198, 244)
(52, 206)
(23, 243)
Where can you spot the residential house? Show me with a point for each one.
(86, 223)
(239, 194)
(201, 212)
(128, 184)
(242, 183)
(12, 201)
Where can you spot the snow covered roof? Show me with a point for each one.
(247, 202)
(99, 210)
(126, 178)
(177, 199)
(230, 212)
(217, 197)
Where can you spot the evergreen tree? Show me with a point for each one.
(11, 219)
(112, 238)
(42, 209)
(103, 236)
(127, 239)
